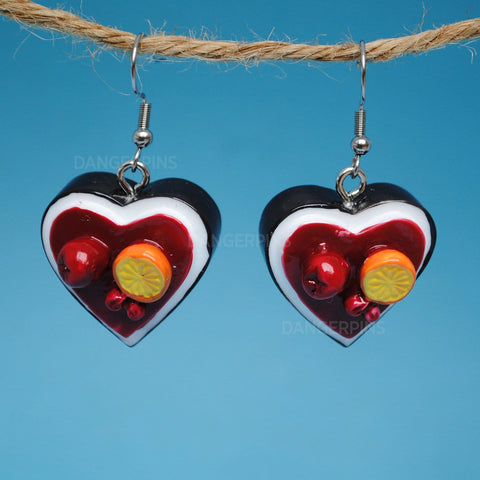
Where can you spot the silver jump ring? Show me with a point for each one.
(133, 67)
(346, 172)
(356, 165)
(129, 190)
(136, 159)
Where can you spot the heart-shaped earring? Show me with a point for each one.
(344, 258)
(130, 253)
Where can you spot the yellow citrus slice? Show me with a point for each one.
(387, 276)
(142, 272)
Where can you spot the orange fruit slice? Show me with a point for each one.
(387, 276)
(142, 272)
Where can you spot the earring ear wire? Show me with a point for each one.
(142, 137)
(360, 143)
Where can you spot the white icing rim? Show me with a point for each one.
(355, 223)
(123, 215)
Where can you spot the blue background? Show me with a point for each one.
(235, 383)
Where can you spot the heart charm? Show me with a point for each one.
(342, 268)
(130, 260)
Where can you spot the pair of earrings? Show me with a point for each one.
(130, 252)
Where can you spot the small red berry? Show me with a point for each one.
(372, 314)
(355, 305)
(114, 300)
(135, 311)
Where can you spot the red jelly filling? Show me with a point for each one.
(165, 231)
(402, 235)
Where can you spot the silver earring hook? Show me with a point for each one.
(360, 143)
(363, 70)
(133, 67)
(142, 136)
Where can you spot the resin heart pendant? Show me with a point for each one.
(343, 267)
(130, 259)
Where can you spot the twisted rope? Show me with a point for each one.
(30, 13)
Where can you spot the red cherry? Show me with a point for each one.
(135, 311)
(324, 275)
(372, 314)
(114, 300)
(355, 305)
(82, 261)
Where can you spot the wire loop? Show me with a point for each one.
(129, 190)
(349, 197)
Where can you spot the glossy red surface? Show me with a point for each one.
(82, 261)
(135, 311)
(165, 231)
(402, 235)
(372, 314)
(355, 304)
(114, 300)
(324, 275)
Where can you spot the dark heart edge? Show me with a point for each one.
(105, 185)
(308, 196)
